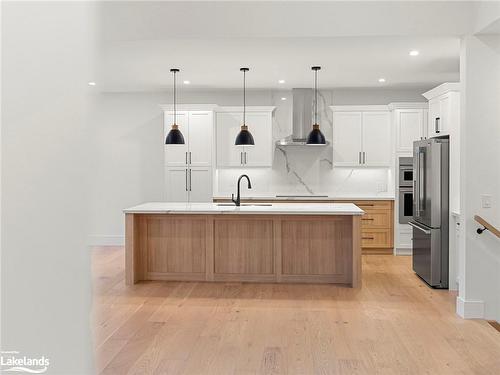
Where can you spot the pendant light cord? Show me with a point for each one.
(315, 97)
(244, 97)
(175, 99)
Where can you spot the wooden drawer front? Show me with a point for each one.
(373, 205)
(376, 219)
(376, 238)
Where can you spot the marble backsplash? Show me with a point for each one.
(306, 170)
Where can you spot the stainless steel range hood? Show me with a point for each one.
(303, 109)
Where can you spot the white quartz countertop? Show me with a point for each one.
(312, 198)
(270, 209)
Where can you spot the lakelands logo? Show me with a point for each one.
(13, 361)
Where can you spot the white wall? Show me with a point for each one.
(479, 267)
(130, 151)
(47, 55)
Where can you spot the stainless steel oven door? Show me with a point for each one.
(405, 205)
(406, 176)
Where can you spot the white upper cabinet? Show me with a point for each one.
(347, 141)
(197, 129)
(443, 103)
(377, 143)
(259, 122)
(410, 120)
(200, 138)
(361, 136)
(176, 155)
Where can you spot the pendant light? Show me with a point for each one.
(315, 137)
(174, 136)
(244, 137)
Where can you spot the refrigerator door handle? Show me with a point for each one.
(415, 225)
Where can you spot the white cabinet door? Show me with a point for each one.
(434, 117)
(261, 154)
(227, 128)
(176, 155)
(200, 184)
(200, 138)
(176, 183)
(377, 145)
(347, 138)
(443, 127)
(409, 128)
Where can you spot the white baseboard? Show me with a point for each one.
(470, 309)
(402, 251)
(94, 240)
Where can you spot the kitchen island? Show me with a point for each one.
(279, 242)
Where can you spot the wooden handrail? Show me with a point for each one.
(487, 226)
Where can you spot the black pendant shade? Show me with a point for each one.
(316, 137)
(174, 136)
(244, 137)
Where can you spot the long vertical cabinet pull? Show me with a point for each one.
(186, 179)
(190, 180)
(245, 157)
(189, 157)
(364, 157)
(359, 157)
(186, 157)
(241, 158)
(437, 123)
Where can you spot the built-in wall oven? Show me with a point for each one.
(405, 189)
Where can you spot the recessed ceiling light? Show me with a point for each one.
(91, 83)
(281, 81)
(414, 52)
(283, 98)
(381, 80)
(186, 82)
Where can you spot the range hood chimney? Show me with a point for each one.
(303, 110)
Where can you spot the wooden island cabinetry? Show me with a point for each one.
(278, 243)
(377, 224)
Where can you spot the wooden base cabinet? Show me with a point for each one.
(255, 248)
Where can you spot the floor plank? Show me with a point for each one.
(394, 324)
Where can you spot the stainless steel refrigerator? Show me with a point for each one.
(430, 220)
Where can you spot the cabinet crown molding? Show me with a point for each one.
(189, 107)
(252, 108)
(442, 89)
(408, 105)
(349, 108)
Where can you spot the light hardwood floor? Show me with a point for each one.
(393, 325)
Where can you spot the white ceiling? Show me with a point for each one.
(356, 43)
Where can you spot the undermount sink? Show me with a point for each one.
(244, 204)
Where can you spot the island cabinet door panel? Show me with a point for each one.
(175, 245)
(243, 247)
(316, 247)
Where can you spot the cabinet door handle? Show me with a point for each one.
(368, 219)
(364, 157)
(189, 157)
(186, 157)
(359, 157)
(437, 123)
(186, 179)
(241, 158)
(245, 157)
(190, 181)
(367, 238)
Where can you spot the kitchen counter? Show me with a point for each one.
(269, 209)
(306, 198)
(278, 242)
